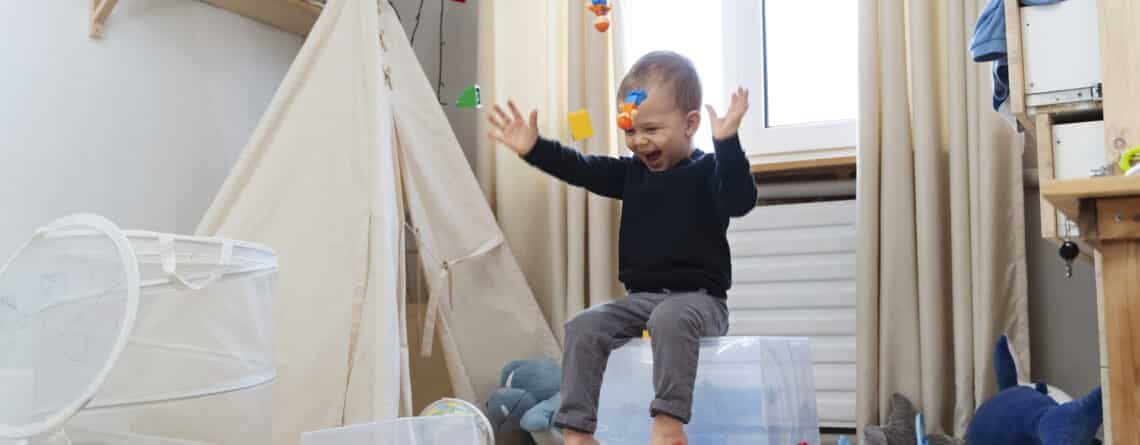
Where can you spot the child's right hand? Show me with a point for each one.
(514, 132)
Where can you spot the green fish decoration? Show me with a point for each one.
(469, 98)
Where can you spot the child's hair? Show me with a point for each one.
(667, 67)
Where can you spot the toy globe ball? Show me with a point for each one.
(457, 407)
(602, 23)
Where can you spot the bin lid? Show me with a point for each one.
(68, 301)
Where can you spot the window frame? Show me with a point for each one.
(743, 28)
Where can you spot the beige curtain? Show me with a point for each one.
(548, 56)
(941, 271)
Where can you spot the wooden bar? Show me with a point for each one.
(100, 10)
(1118, 219)
(1013, 50)
(1121, 284)
(1046, 173)
(1120, 62)
(1066, 194)
(774, 167)
(304, 5)
(290, 15)
(1103, 344)
(1068, 108)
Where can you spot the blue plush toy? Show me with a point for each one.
(527, 399)
(1021, 415)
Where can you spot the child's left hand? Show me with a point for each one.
(724, 128)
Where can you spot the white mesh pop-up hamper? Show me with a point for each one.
(181, 328)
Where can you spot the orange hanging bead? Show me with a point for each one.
(625, 122)
(602, 24)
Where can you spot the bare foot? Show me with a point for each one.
(668, 431)
(571, 437)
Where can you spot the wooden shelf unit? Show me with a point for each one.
(1106, 209)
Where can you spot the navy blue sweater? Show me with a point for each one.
(673, 223)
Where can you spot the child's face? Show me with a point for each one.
(662, 133)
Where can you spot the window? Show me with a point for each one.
(677, 25)
(798, 58)
(810, 74)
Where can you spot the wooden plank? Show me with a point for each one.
(309, 7)
(1120, 61)
(1121, 284)
(100, 10)
(1045, 173)
(1118, 219)
(283, 14)
(1098, 266)
(1016, 65)
(1066, 108)
(1087, 222)
(775, 167)
(1066, 194)
(799, 155)
(1106, 402)
(1102, 338)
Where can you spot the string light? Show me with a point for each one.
(439, 72)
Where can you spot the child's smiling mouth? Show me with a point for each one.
(652, 158)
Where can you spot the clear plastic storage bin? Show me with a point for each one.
(749, 391)
(441, 430)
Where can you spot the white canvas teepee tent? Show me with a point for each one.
(353, 141)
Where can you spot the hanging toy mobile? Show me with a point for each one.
(601, 9)
(628, 109)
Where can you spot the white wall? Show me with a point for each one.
(460, 35)
(1063, 337)
(141, 126)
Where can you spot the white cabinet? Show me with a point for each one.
(1078, 149)
(1061, 50)
(1078, 152)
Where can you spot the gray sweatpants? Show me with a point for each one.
(676, 323)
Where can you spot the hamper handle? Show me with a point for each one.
(170, 264)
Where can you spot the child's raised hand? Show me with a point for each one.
(514, 132)
(724, 128)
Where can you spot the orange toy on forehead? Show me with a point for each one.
(601, 9)
(627, 111)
